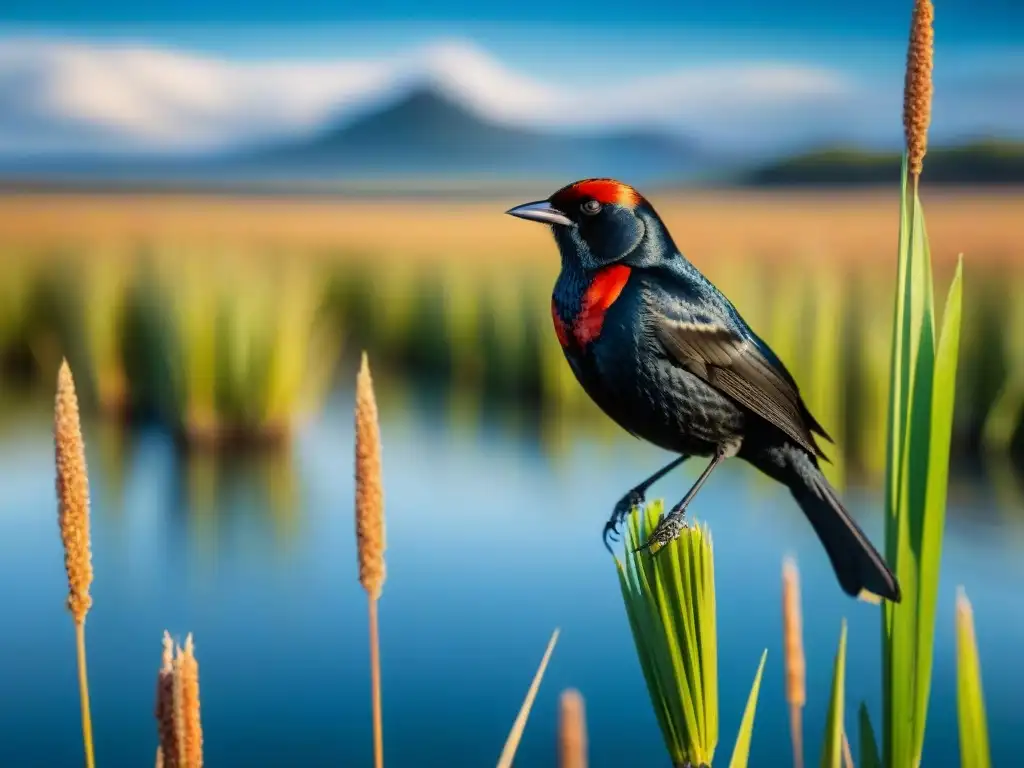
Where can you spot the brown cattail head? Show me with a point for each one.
(792, 636)
(796, 665)
(369, 491)
(186, 700)
(167, 752)
(572, 731)
(917, 87)
(72, 494)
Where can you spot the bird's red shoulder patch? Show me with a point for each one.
(602, 292)
(605, 191)
(560, 330)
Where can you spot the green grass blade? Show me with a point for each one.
(832, 749)
(709, 647)
(922, 391)
(974, 745)
(869, 757)
(648, 666)
(670, 604)
(936, 474)
(741, 752)
(893, 689)
(914, 620)
(899, 386)
(898, 368)
(653, 656)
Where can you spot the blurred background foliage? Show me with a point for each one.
(238, 342)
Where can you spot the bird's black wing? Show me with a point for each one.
(736, 367)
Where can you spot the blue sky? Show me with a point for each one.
(978, 21)
(960, 23)
(578, 39)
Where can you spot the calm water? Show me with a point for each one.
(491, 545)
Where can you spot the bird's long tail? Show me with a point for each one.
(857, 564)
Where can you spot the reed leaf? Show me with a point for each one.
(922, 390)
(869, 757)
(741, 752)
(832, 749)
(670, 601)
(515, 735)
(974, 744)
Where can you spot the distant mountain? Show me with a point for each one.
(424, 138)
(983, 162)
(444, 114)
(428, 133)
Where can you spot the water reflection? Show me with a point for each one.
(493, 539)
(485, 334)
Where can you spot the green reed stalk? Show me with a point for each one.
(922, 387)
(670, 603)
(922, 391)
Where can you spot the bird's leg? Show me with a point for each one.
(634, 497)
(670, 526)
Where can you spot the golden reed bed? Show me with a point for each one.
(844, 226)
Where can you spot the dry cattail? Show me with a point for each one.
(847, 753)
(72, 494)
(515, 735)
(793, 646)
(369, 491)
(918, 87)
(186, 700)
(167, 752)
(370, 534)
(572, 731)
(73, 518)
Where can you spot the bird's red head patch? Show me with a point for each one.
(605, 191)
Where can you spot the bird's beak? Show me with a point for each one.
(541, 211)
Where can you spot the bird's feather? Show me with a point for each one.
(737, 368)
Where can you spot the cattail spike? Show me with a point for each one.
(164, 710)
(370, 534)
(178, 700)
(72, 494)
(188, 720)
(918, 86)
(796, 665)
(572, 731)
(369, 490)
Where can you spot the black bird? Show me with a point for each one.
(666, 355)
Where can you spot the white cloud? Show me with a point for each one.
(73, 96)
(61, 95)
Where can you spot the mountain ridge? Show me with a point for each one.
(426, 130)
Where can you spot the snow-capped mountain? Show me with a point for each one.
(73, 97)
(138, 110)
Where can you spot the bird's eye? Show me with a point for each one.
(590, 207)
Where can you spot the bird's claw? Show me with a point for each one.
(667, 530)
(622, 509)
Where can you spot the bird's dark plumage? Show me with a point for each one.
(668, 357)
